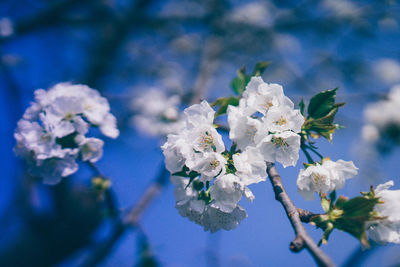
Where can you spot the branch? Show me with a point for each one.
(302, 240)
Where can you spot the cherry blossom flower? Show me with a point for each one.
(386, 230)
(325, 177)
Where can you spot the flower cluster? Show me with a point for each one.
(52, 133)
(325, 177)
(210, 181)
(156, 113)
(388, 229)
(382, 117)
(266, 119)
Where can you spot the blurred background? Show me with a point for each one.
(193, 49)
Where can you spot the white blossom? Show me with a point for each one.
(209, 164)
(91, 149)
(204, 138)
(226, 192)
(215, 219)
(51, 170)
(242, 128)
(211, 218)
(282, 147)
(51, 134)
(250, 166)
(325, 177)
(199, 114)
(263, 127)
(283, 118)
(174, 151)
(388, 229)
(260, 96)
(94, 107)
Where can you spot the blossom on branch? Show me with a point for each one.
(325, 177)
(210, 180)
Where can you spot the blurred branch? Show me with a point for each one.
(49, 238)
(130, 220)
(302, 240)
(111, 38)
(48, 17)
(12, 89)
(208, 66)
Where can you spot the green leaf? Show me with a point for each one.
(223, 104)
(322, 103)
(239, 83)
(332, 197)
(260, 67)
(302, 106)
(237, 86)
(198, 185)
(323, 126)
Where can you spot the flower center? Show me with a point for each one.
(69, 117)
(318, 180)
(279, 142)
(268, 104)
(214, 164)
(251, 131)
(281, 121)
(207, 141)
(46, 137)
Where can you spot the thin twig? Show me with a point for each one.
(302, 240)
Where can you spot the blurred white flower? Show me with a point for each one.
(6, 27)
(342, 8)
(370, 133)
(325, 177)
(254, 13)
(50, 136)
(156, 113)
(388, 70)
(381, 115)
(91, 149)
(388, 229)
